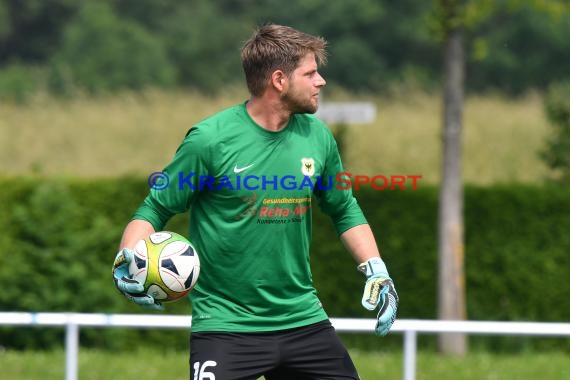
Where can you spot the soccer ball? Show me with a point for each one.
(167, 264)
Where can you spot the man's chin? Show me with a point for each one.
(309, 109)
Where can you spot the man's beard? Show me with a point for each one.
(297, 105)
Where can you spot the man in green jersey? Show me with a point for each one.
(249, 176)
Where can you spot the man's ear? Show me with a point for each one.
(279, 80)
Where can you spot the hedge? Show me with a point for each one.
(60, 236)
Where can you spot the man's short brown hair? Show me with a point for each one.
(277, 47)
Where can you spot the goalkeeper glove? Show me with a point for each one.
(379, 290)
(130, 288)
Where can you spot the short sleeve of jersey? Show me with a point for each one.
(184, 171)
(338, 202)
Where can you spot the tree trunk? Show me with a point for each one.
(451, 294)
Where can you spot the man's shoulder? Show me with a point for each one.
(232, 113)
(213, 125)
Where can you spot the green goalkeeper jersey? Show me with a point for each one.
(250, 193)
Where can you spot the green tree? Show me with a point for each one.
(206, 50)
(452, 18)
(30, 30)
(557, 152)
(103, 53)
(451, 246)
(520, 46)
(19, 82)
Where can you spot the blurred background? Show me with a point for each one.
(97, 95)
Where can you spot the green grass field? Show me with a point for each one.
(152, 365)
(138, 134)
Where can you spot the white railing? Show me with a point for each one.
(409, 327)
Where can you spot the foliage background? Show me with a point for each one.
(517, 258)
(66, 46)
(69, 69)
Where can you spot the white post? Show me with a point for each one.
(410, 349)
(71, 350)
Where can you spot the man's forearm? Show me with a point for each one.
(360, 242)
(136, 230)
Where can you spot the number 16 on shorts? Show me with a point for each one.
(201, 370)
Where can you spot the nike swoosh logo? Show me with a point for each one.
(239, 170)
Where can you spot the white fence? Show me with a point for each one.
(410, 328)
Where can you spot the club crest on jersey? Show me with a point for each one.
(307, 166)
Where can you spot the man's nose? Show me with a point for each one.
(320, 81)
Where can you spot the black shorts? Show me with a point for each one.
(309, 352)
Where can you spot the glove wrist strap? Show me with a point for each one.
(373, 267)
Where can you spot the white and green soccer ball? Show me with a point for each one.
(167, 264)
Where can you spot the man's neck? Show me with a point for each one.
(270, 115)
